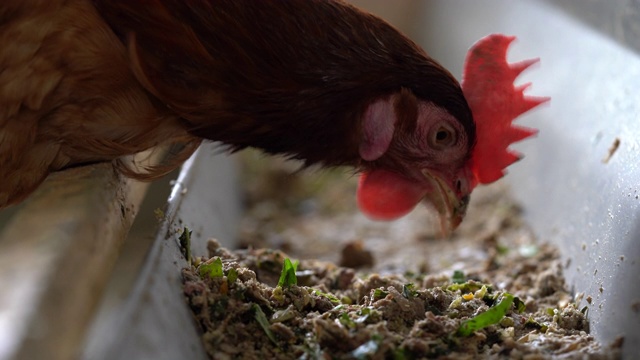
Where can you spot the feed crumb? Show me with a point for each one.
(354, 255)
(612, 150)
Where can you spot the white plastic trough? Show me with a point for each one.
(57, 250)
(575, 192)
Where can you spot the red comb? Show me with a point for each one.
(487, 83)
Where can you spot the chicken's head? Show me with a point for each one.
(443, 157)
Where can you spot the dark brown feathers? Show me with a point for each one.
(290, 77)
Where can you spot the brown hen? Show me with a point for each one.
(85, 81)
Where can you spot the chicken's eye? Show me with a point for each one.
(442, 136)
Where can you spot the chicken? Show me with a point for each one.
(321, 81)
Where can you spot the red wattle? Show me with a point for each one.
(384, 195)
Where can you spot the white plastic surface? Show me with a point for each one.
(155, 321)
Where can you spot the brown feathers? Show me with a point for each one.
(84, 81)
(290, 77)
(67, 95)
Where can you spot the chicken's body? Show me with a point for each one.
(67, 95)
(84, 81)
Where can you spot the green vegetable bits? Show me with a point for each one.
(288, 274)
(489, 317)
(212, 269)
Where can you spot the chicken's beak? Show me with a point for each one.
(451, 204)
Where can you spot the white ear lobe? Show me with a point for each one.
(378, 124)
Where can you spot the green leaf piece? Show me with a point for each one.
(346, 321)
(402, 354)
(409, 291)
(502, 250)
(532, 323)
(212, 269)
(185, 244)
(379, 294)
(489, 317)
(329, 297)
(458, 277)
(467, 287)
(288, 274)
(232, 275)
(261, 318)
(519, 304)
